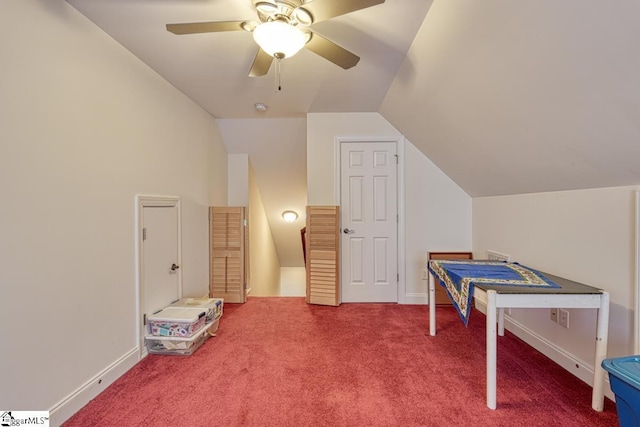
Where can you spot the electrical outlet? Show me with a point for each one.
(425, 274)
(554, 315)
(563, 318)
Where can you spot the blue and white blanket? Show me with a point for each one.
(459, 277)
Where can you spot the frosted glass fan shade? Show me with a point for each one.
(279, 38)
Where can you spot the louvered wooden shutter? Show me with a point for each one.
(322, 260)
(227, 251)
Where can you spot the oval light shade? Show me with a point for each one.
(289, 216)
(279, 39)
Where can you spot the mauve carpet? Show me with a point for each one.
(281, 362)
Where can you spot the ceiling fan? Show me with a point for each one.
(284, 29)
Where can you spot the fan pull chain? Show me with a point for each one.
(278, 79)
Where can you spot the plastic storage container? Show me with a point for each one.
(176, 322)
(624, 376)
(176, 346)
(213, 306)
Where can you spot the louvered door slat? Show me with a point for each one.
(228, 254)
(322, 252)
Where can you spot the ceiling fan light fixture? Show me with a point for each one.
(279, 39)
(266, 8)
(302, 16)
(249, 26)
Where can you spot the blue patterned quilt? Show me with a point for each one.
(459, 277)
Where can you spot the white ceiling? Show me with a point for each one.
(506, 97)
(212, 69)
(513, 97)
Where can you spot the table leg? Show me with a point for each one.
(501, 321)
(599, 374)
(492, 344)
(432, 305)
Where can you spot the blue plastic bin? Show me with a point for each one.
(624, 376)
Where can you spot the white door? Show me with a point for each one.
(369, 221)
(160, 258)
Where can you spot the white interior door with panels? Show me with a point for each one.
(160, 278)
(369, 221)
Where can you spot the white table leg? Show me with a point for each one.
(492, 353)
(599, 374)
(501, 321)
(432, 305)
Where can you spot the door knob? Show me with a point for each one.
(347, 231)
(174, 267)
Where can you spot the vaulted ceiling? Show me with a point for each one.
(512, 97)
(212, 68)
(505, 96)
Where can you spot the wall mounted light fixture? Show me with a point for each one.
(289, 216)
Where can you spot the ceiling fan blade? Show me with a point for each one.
(331, 51)
(261, 64)
(205, 27)
(321, 10)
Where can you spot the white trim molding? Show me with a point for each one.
(400, 183)
(63, 410)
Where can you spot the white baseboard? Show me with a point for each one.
(71, 404)
(415, 298)
(568, 361)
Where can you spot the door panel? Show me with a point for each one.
(160, 251)
(160, 242)
(380, 257)
(228, 265)
(369, 221)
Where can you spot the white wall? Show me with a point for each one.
(293, 281)
(264, 263)
(84, 127)
(238, 193)
(437, 215)
(322, 131)
(437, 211)
(586, 236)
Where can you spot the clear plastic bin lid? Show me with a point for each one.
(177, 314)
(625, 368)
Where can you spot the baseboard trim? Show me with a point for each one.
(578, 367)
(414, 298)
(71, 404)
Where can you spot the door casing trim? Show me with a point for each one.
(141, 202)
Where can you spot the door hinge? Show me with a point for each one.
(397, 158)
(398, 277)
(144, 234)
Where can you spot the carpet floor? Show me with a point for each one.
(281, 362)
